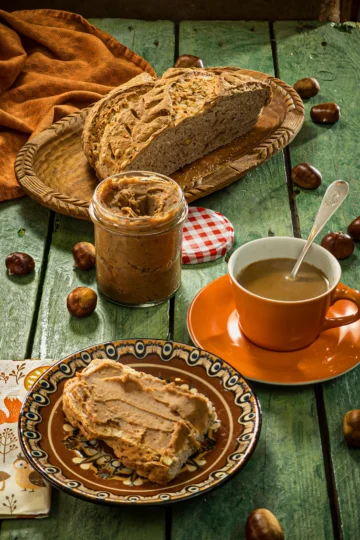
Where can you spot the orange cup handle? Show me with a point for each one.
(342, 293)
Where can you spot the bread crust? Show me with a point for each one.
(98, 116)
(137, 123)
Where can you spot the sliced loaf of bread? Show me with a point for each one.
(104, 110)
(161, 125)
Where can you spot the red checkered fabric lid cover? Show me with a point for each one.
(207, 236)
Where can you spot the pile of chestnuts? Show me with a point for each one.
(82, 301)
(340, 244)
(321, 113)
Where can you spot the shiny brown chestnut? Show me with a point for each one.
(84, 255)
(19, 264)
(81, 302)
(354, 229)
(263, 525)
(339, 244)
(189, 61)
(325, 113)
(307, 87)
(351, 428)
(306, 176)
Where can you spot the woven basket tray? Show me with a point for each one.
(53, 169)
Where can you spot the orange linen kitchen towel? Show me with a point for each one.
(52, 63)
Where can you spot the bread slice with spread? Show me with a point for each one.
(152, 426)
(162, 125)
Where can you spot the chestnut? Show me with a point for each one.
(84, 255)
(189, 61)
(307, 87)
(306, 176)
(354, 229)
(339, 244)
(19, 264)
(263, 525)
(81, 302)
(351, 427)
(325, 113)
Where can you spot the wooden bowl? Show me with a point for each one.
(54, 171)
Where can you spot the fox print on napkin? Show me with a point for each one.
(23, 491)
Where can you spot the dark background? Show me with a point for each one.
(271, 10)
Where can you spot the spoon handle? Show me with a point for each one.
(334, 196)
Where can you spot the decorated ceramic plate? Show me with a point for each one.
(90, 470)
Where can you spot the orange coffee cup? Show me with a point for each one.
(288, 325)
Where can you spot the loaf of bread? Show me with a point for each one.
(163, 124)
(151, 425)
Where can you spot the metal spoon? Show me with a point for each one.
(334, 196)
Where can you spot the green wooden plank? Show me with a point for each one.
(18, 294)
(286, 473)
(72, 519)
(331, 54)
(59, 334)
(154, 41)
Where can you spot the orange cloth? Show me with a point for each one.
(52, 63)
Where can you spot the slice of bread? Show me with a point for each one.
(165, 124)
(152, 426)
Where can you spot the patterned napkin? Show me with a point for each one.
(23, 492)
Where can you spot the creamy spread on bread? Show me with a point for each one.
(152, 426)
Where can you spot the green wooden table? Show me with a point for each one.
(301, 470)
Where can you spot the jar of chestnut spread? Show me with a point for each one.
(138, 218)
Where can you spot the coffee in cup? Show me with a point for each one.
(286, 324)
(270, 278)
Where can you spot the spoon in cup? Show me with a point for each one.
(334, 196)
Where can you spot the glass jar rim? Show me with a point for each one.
(106, 217)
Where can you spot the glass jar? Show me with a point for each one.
(138, 219)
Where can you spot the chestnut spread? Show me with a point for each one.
(138, 231)
(152, 199)
(152, 426)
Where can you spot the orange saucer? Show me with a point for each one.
(213, 326)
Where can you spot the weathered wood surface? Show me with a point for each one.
(59, 334)
(18, 294)
(286, 473)
(155, 41)
(331, 54)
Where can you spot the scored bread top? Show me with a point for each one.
(136, 115)
(104, 109)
